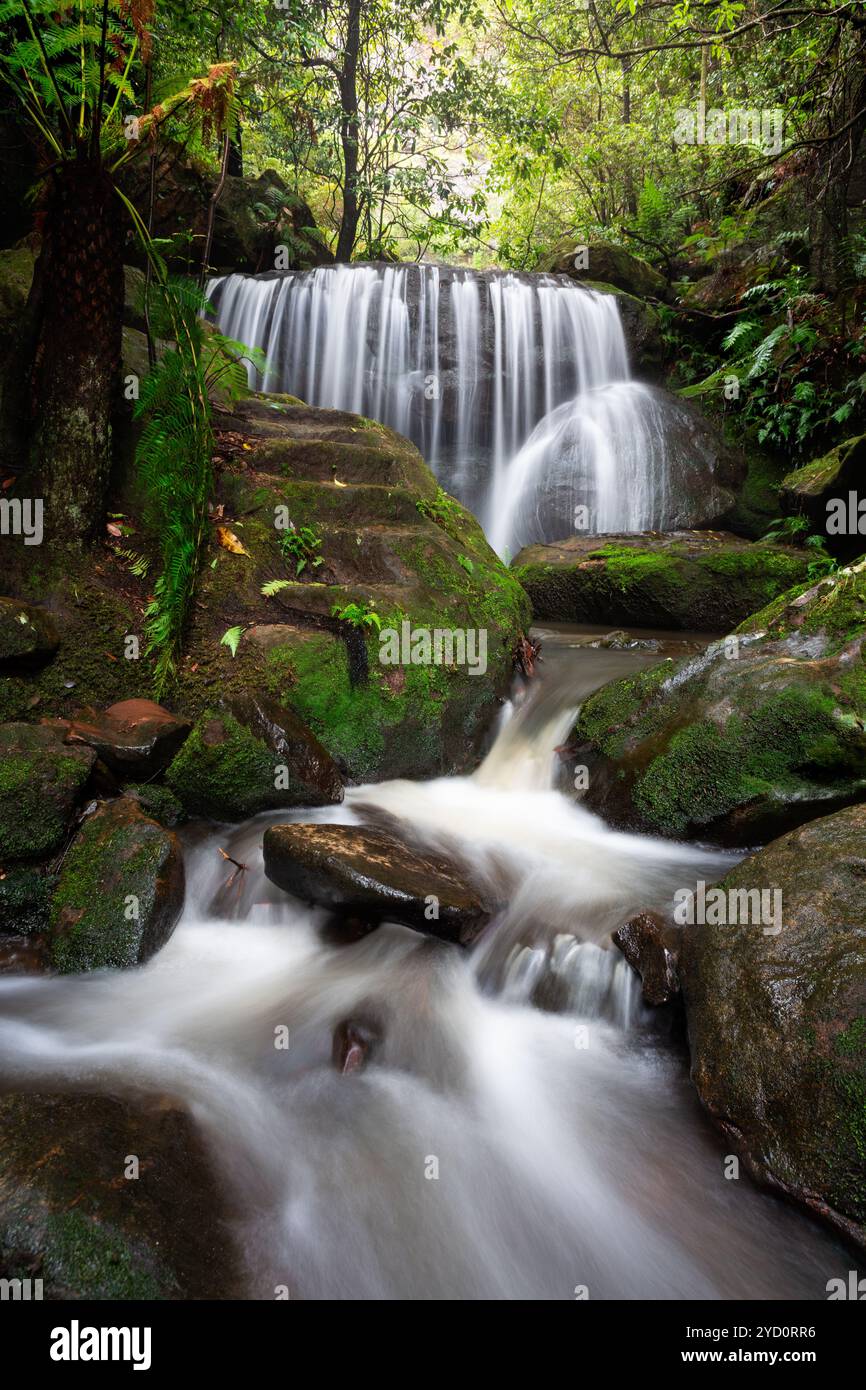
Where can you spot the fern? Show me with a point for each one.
(173, 459)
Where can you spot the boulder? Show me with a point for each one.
(119, 893)
(28, 636)
(252, 755)
(610, 264)
(25, 900)
(134, 738)
(651, 948)
(760, 732)
(835, 474)
(40, 781)
(777, 1020)
(707, 581)
(71, 1217)
(391, 543)
(370, 874)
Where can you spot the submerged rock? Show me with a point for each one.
(651, 948)
(40, 781)
(119, 893)
(708, 581)
(777, 1020)
(762, 731)
(371, 875)
(250, 756)
(134, 738)
(28, 635)
(72, 1216)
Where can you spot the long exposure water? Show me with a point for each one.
(516, 388)
(523, 1129)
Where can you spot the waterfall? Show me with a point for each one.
(515, 387)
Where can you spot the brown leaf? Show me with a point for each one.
(229, 541)
(113, 529)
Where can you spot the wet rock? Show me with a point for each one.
(370, 874)
(708, 581)
(28, 636)
(651, 949)
(252, 755)
(119, 893)
(25, 898)
(70, 1216)
(777, 1020)
(760, 732)
(40, 781)
(134, 738)
(354, 1041)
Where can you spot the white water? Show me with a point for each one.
(516, 388)
(559, 1164)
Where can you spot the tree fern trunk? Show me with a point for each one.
(77, 303)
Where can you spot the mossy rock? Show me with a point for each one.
(609, 264)
(706, 581)
(761, 732)
(119, 893)
(388, 540)
(28, 636)
(809, 489)
(252, 756)
(777, 1020)
(757, 499)
(25, 900)
(40, 781)
(158, 802)
(71, 1215)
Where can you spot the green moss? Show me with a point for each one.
(25, 896)
(707, 771)
(98, 1262)
(223, 771)
(158, 802)
(610, 718)
(90, 924)
(38, 787)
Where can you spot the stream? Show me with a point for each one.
(524, 1128)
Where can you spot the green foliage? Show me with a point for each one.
(441, 508)
(301, 545)
(794, 530)
(358, 615)
(232, 637)
(173, 459)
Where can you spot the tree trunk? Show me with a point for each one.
(349, 134)
(77, 306)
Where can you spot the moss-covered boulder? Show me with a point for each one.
(40, 781)
(762, 731)
(75, 1215)
(119, 893)
(603, 261)
(777, 1020)
(25, 900)
(810, 488)
(708, 581)
(389, 542)
(249, 756)
(27, 634)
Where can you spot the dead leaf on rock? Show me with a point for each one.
(229, 541)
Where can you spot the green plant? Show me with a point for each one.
(792, 530)
(173, 457)
(359, 615)
(232, 637)
(301, 544)
(440, 508)
(467, 564)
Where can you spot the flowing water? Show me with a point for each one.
(516, 388)
(522, 1129)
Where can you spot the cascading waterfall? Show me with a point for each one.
(570, 1149)
(516, 388)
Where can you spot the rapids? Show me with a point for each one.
(525, 1129)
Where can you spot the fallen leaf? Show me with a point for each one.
(337, 483)
(113, 529)
(229, 541)
(7, 482)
